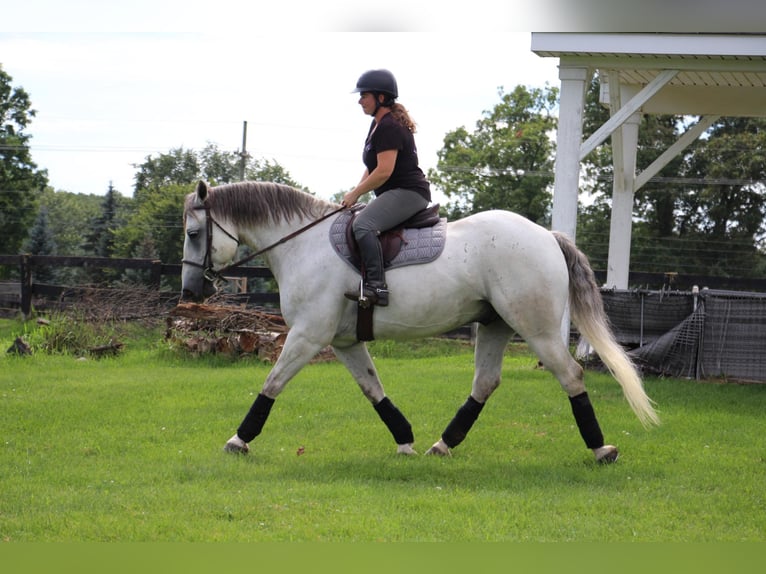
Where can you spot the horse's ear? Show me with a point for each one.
(201, 190)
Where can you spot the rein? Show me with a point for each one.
(217, 275)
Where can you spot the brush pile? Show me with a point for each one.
(235, 331)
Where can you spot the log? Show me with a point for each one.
(112, 348)
(227, 330)
(230, 318)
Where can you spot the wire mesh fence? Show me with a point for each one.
(697, 334)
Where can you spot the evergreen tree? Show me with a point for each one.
(41, 242)
(99, 241)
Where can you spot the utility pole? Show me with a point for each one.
(243, 154)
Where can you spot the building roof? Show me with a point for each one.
(716, 73)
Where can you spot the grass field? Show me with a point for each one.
(129, 449)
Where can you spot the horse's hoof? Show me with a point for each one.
(606, 454)
(236, 446)
(405, 449)
(439, 449)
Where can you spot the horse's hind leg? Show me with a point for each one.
(357, 360)
(491, 341)
(555, 356)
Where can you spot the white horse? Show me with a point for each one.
(497, 268)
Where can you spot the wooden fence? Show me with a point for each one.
(21, 294)
(732, 321)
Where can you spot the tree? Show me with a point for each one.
(733, 159)
(506, 162)
(703, 213)
(41, 242)
(99, 241)
(68, 215)
(154, 228)
(176, 166)
(265, 170)
(21, 182)
(217, 167)
(155, 222)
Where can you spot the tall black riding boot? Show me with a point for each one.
(375, 290)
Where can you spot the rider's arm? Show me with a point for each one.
(373, 180)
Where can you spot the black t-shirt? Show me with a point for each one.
(390, 134)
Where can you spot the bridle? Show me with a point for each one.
(215, 276)
(208, 272)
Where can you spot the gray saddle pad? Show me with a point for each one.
(419, 245)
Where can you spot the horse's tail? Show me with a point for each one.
(587, 311)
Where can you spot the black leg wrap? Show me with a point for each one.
(395, 421)
(459, 426)
(586, 421)
(253, 423)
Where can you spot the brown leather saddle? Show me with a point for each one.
(392, 240)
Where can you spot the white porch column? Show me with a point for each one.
(568, 140)
(618, 262)
(566, 185)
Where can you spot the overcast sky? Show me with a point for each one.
(115, 82)
(106, 101)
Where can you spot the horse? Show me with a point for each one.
(497, 269)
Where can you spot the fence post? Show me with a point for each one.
(25, 272)
(156, 274)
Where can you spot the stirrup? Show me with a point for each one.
(369, 295)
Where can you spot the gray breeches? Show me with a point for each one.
(388, 210)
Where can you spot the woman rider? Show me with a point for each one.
(392, 173)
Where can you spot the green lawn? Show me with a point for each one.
(129, 449)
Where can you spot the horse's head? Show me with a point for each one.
(207, 246)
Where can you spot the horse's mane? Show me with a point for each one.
(255, 203)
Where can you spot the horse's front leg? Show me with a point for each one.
(357, 360)
(297, 351)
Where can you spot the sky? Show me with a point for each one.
(105, 102)
(116, 82)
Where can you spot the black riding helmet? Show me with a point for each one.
(379, 82)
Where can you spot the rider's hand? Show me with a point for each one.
(349, 199)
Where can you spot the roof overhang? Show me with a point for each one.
(722, 74)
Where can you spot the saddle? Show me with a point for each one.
(422, 234)
(420, 239)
